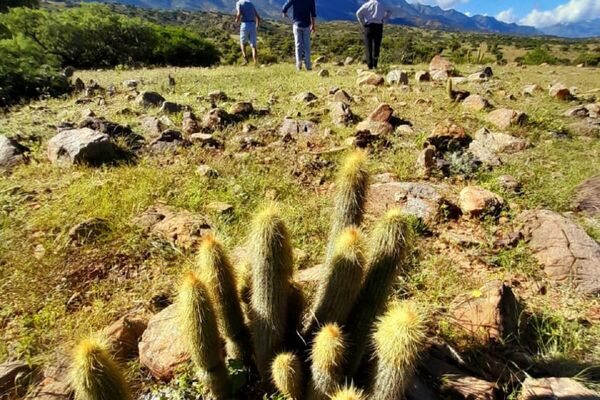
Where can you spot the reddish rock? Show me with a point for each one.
(560, 92)
(555, 389)
(370, 78)
(383, 113)
(504, 118)
(476, 201)
(376, 128)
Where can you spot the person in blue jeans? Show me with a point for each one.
(248, 18)
(305, 14)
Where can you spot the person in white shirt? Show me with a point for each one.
(371, 16)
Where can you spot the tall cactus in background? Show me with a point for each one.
(217, 273)
(389, 248)
(449, 89)
(199, 323)
(94, 375)
(272, 268)
(327, 355)
(287, 375)
(349, 393)
(350, 197)
(398, 337)
(341, 282)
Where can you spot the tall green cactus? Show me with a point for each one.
(94, 375)
(398, 337)
(199, 325)
(351, 193)
(216, 271)
(389, 248)
(272, 269)
(287, 375)
(449, 89)
(341, 282)
(327, 355)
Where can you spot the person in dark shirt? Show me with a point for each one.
(305, 14)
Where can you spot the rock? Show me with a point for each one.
(383, 113)
(440, 64)
(112, 129)
(560, 92)
(376, 128)
(422, 76)
(342, 96)
(123, 336)
(152, 126)
(457, 384)
(323, 73)
(11, 153)
(588, 127)
(448, 136)
(397, 77)
(531, 90)
(426, 161)
(207, 171)
(320, 60)
(162, 348)
(488, 146)
(181, 228)
(173, 108)
(587, 196)
(305, 97)
(340, 113)
(579, 111)
(509, 183)
(476, 102)
(242, 109)
(348, 61)
(88, 230)
(80, 146)
(490, 313)
(504, 118)
(169, 140)
(567, 254)
(369, 78)
(217, 95)
(206, 140)
(149, 99)
(54, 385)
(555, 389)
(420, 199)
(593, 110)
(219, 207)
(404, 129)
(476, 201)
(189, 123)
(78, 85)
(215, 119)
(15, 376)
(130, 84)
(68, 71)
(294, 128)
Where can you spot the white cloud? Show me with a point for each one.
(573, 11)
(445, 4)
(507, 16)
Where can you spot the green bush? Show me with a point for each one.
(588, 59)
(538, 56)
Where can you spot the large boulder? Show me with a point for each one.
(440, 68)
(11, 153)
(476, 201)
(555, 389)
(162, 348)
(81, 146)
(150, 99)
(567, 254)
(587, 196)
(504, 118)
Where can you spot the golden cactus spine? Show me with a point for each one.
(390, 244)
(341, 283)
(216, 271)
(398, 337)
(351, 194)
(199, 325)
(327, 355)
(94, 375)
(286, 372)
(272, 269)
(349, 393)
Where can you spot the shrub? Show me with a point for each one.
(538, 56)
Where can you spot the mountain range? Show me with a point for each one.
(416, 15)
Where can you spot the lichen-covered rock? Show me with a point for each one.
(80, 146)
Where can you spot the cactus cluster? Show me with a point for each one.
(257, 314)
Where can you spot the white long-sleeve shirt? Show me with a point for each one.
(373, 11)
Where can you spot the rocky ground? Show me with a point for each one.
(105, 194)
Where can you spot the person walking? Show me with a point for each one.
(248, 18)
(305, 14)
(371, 16)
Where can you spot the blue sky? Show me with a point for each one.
(538, 13)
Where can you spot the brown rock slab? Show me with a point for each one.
(383, 113)
(342, 96)
(376, 128)
(476, 201)
(490, 313)
(530, 90)
(123, 336)
(162, 347)
(152, 126)
(567, 254)
(189, 124)
(555, 389)
(504, 118)
(587, 196)
(370, 78)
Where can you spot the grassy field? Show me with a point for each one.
(53, 291)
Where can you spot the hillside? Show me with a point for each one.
(590, 28)
(83, 246)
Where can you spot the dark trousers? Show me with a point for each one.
(373, 33)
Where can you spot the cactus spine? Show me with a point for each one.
(272, 268)
(327, 355)
(94, 375)
(398, 337)
(199, 324)
(217, 273)
(349, 393)
(338, 289)
(350, 198)
(287, 375)
(389, 247)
